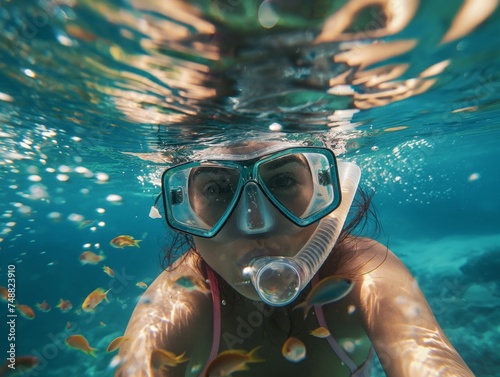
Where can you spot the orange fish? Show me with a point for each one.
(25, 311)
(294, 350)
(141, 284)
(109, 271)
(94, 299)
(88, 257)
(161, 359)
(4, 294)
(320, 332)
(121, 241)
(231, 361)
(43, 306)
(80, 343)
(23, 365)
(116, 343)
(64, 305)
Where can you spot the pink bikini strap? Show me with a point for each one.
(344, 357)
(216, 320)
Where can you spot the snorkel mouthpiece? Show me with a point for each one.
(279, 280)
(276, 279)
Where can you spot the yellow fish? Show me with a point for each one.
(141, 284)
(397, 128)
(320, 332)
(294, 350)
(88, 257)
(109, 271)
(80, 343)
(328, 290)
(231, 361)
(191, 283)
(116, 343)
(94, 299)
(121, 241)
(161, 359)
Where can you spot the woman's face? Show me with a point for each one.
(232, 249)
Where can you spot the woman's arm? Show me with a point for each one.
(168, 318)
(399, 321)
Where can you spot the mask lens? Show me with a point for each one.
(199, 197)
(288, 180)
(302, 184)
(211, 191)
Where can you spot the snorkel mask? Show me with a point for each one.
(302, 183)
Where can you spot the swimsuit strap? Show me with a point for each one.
(343, 356)
(216, 319)
(364, 369)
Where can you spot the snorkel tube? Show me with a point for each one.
(279, 280)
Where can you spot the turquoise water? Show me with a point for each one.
(83, 82)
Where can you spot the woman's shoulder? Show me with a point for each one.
(177, 298)
(363, 245)
(187, 265)
(181, 285)
(357, 256)
(362, 259)
(367, 260)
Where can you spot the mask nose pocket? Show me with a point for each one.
(255, 213)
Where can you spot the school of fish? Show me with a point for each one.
(226, 363)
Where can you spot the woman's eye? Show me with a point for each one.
(211, 189)
(283, 181)
(214, 190)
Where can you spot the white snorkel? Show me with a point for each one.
(279, 280)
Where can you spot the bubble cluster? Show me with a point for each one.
(403, 171)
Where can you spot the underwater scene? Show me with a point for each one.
(97, 98)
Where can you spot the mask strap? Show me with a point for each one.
(153, 212)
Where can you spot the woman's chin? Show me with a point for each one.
(247, 290)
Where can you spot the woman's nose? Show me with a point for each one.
(254, 211)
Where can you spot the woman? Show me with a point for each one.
(256, 200)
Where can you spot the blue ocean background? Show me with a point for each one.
(86, 131)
